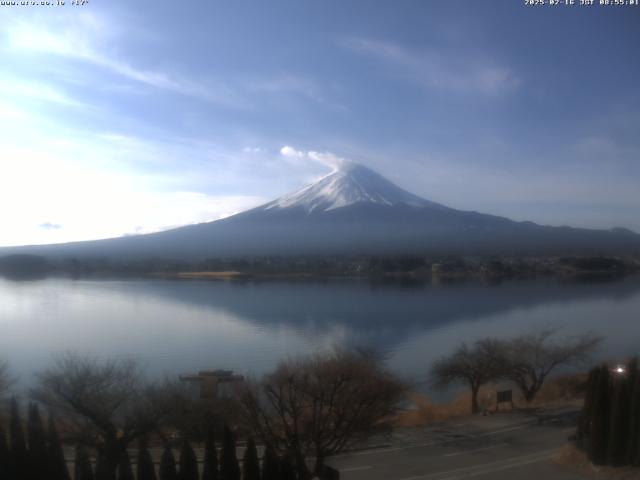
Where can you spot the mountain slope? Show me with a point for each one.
(353, 210)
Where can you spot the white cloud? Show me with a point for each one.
(441, 70)
(10, 112)
(50, 226)
(291, 152)
(90, 45)
(15, 87)
(86, 38)
(327, 159)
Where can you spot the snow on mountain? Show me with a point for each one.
(347, 185)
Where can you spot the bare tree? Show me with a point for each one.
(533, 356)
(105, 403)
(196, 417)
(316, 406)
(474, 365)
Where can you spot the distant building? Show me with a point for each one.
(448, 267)
(211, 383)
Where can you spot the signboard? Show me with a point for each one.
(505, 396)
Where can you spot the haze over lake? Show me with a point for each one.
(175, 327)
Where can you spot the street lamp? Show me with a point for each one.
(620, 370)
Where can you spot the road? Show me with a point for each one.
(513, 446)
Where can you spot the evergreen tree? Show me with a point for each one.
(229, 468)
(250, 463)
(598, 436)
(19, 459)
(188, 462)
(37, 452)
(287, 471)
(168, 465)
(632, 371)
(4, 456)
(210, 470)
(82, 466)
(618, 422)
(586, 414)
(57, 463)
(103, 471)
(145, 468)
(633, 443)
(125, 472)
(270, 464)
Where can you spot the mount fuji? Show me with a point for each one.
(352, 211)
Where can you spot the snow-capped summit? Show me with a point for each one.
(350, 183)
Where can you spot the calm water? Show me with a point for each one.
(181, 326)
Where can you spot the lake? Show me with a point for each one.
(179, 326)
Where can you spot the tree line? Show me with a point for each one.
(609, 425)
(38, 455)
(35, 456)
(307, 409)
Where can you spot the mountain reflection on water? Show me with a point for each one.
(174, 326)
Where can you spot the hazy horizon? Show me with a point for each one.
(122, 118)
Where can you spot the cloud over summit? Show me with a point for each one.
(327, 159)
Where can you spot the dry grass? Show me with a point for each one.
(426, 412)
(561, 390)
(210, 275)
(571, 457)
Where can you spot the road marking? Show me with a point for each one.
(485, 468)
(376, 451)
(455, 454)
(355, 469)
(504, 430)
(470, 437)
(372, 451)
(500, 468)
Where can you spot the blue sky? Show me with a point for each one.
(123, 117)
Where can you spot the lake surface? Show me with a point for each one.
(177, 326)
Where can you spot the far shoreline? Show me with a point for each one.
(492, 269)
